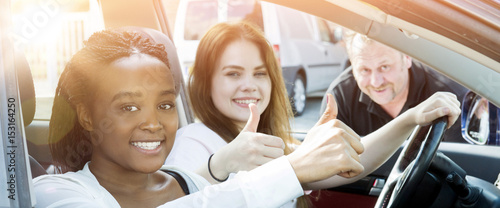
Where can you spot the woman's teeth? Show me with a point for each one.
(147, 145)
(246, 101)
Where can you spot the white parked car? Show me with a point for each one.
(310, 55)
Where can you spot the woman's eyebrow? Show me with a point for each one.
(260, 67)
(241, 68)
(139, 94)
(126, 94)
(232, 67)
(167, 92)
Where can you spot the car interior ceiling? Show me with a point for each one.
(445, 19)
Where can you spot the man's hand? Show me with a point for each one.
(438, 105)
(329, 148)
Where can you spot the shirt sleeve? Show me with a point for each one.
(270, 185)
(188, 153)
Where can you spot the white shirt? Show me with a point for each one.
(193, 146)
(270, 185)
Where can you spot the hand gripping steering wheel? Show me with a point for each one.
(412, 164)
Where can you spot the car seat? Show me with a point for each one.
(28, 103)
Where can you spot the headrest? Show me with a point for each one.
(26, 87)
(161, 38)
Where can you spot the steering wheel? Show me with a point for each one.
(412, 165)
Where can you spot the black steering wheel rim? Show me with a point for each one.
(412, 165)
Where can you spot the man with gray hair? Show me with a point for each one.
(382, 83)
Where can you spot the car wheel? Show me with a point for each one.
(298, 95)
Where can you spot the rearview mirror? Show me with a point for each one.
(480, 120)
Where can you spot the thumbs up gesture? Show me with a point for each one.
(330, 148)
(253, 120)
(331, 111)
(248, 150)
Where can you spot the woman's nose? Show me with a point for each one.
(248, 84)
(151, 122)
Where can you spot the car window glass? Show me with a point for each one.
(49, 33)
(200, 16)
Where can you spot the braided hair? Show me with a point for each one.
(69, 142)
